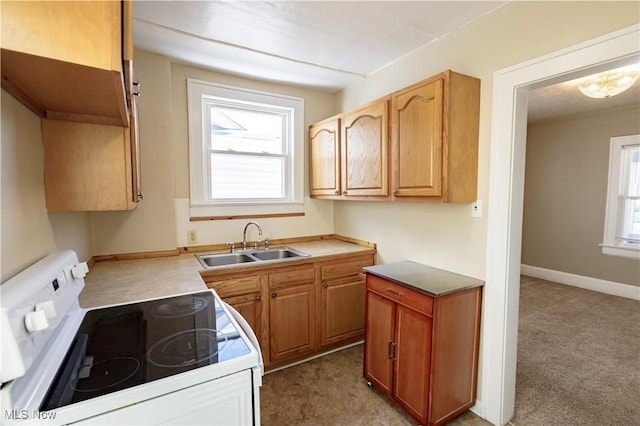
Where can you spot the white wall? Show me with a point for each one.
(446, 236)
(161, 221)
(28, 231)
(151, 225)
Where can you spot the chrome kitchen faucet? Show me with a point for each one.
(244, 234)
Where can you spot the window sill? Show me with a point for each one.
(244, 211)
(631, 252)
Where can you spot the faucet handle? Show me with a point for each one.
(255, 244)
(233, 247)
(266, 243)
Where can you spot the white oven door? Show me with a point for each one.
(227, 400)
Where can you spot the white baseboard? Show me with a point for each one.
(595, 284)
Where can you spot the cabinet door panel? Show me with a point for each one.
(250, 307)
(324, 159)
(342, 310)
(291, 322)
(413, 359)
(417, 140)
(365, 150)
(378, 366)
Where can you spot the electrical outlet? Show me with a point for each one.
(476, 208)
(192, 236)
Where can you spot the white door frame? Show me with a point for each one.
(506, 193)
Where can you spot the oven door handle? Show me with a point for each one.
(248, 331)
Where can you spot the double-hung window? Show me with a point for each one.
(246, 151)
(622, 217)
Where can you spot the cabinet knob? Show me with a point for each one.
(274, 295)
(396, 192)
(258, 298)
(344, 192)
(325, 285)
(140, 196)
(337, 192)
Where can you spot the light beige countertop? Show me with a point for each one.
(125, 281)
(122, 281)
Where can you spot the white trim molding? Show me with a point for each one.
(506, 193)
(588, 283)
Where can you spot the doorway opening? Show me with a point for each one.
(506, 192)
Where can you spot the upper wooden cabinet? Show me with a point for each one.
(72, 64)
(432, 127)
(324, 158)
(364, 151)
(64, 60)
(434, 139)
(349, 153)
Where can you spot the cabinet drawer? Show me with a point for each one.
(236, 286)
(400, 294)
(292, 276)
(345, 269)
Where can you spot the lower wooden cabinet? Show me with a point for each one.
(421, 350)
(299, 310)
(341, 308)
(291, 314)
(250, 307)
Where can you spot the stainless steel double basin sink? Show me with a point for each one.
(212, 260)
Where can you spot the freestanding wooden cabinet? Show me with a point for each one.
(434, 139)
(421, 338)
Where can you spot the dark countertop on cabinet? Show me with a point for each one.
(427, 279)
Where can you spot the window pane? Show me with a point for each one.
(246, 176)
(246, 131)
(630, 223)
(631, 170)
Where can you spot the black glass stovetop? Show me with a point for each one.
(123, 346)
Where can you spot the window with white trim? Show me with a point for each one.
(622, 217)
(246, 151)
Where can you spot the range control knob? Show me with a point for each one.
(80, 270)
(47, 307)
(36, 321)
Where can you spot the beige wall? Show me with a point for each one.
(162, 219)
(565, 194)
(28, 232)
(151, 225)
(445, 235)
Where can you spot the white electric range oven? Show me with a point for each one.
(185, 359)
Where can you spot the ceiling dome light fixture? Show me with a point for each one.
(607, 84)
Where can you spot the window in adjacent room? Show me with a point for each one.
(246, 151)
(622, 217)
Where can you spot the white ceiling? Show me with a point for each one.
(324, 44)
(565, 98)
